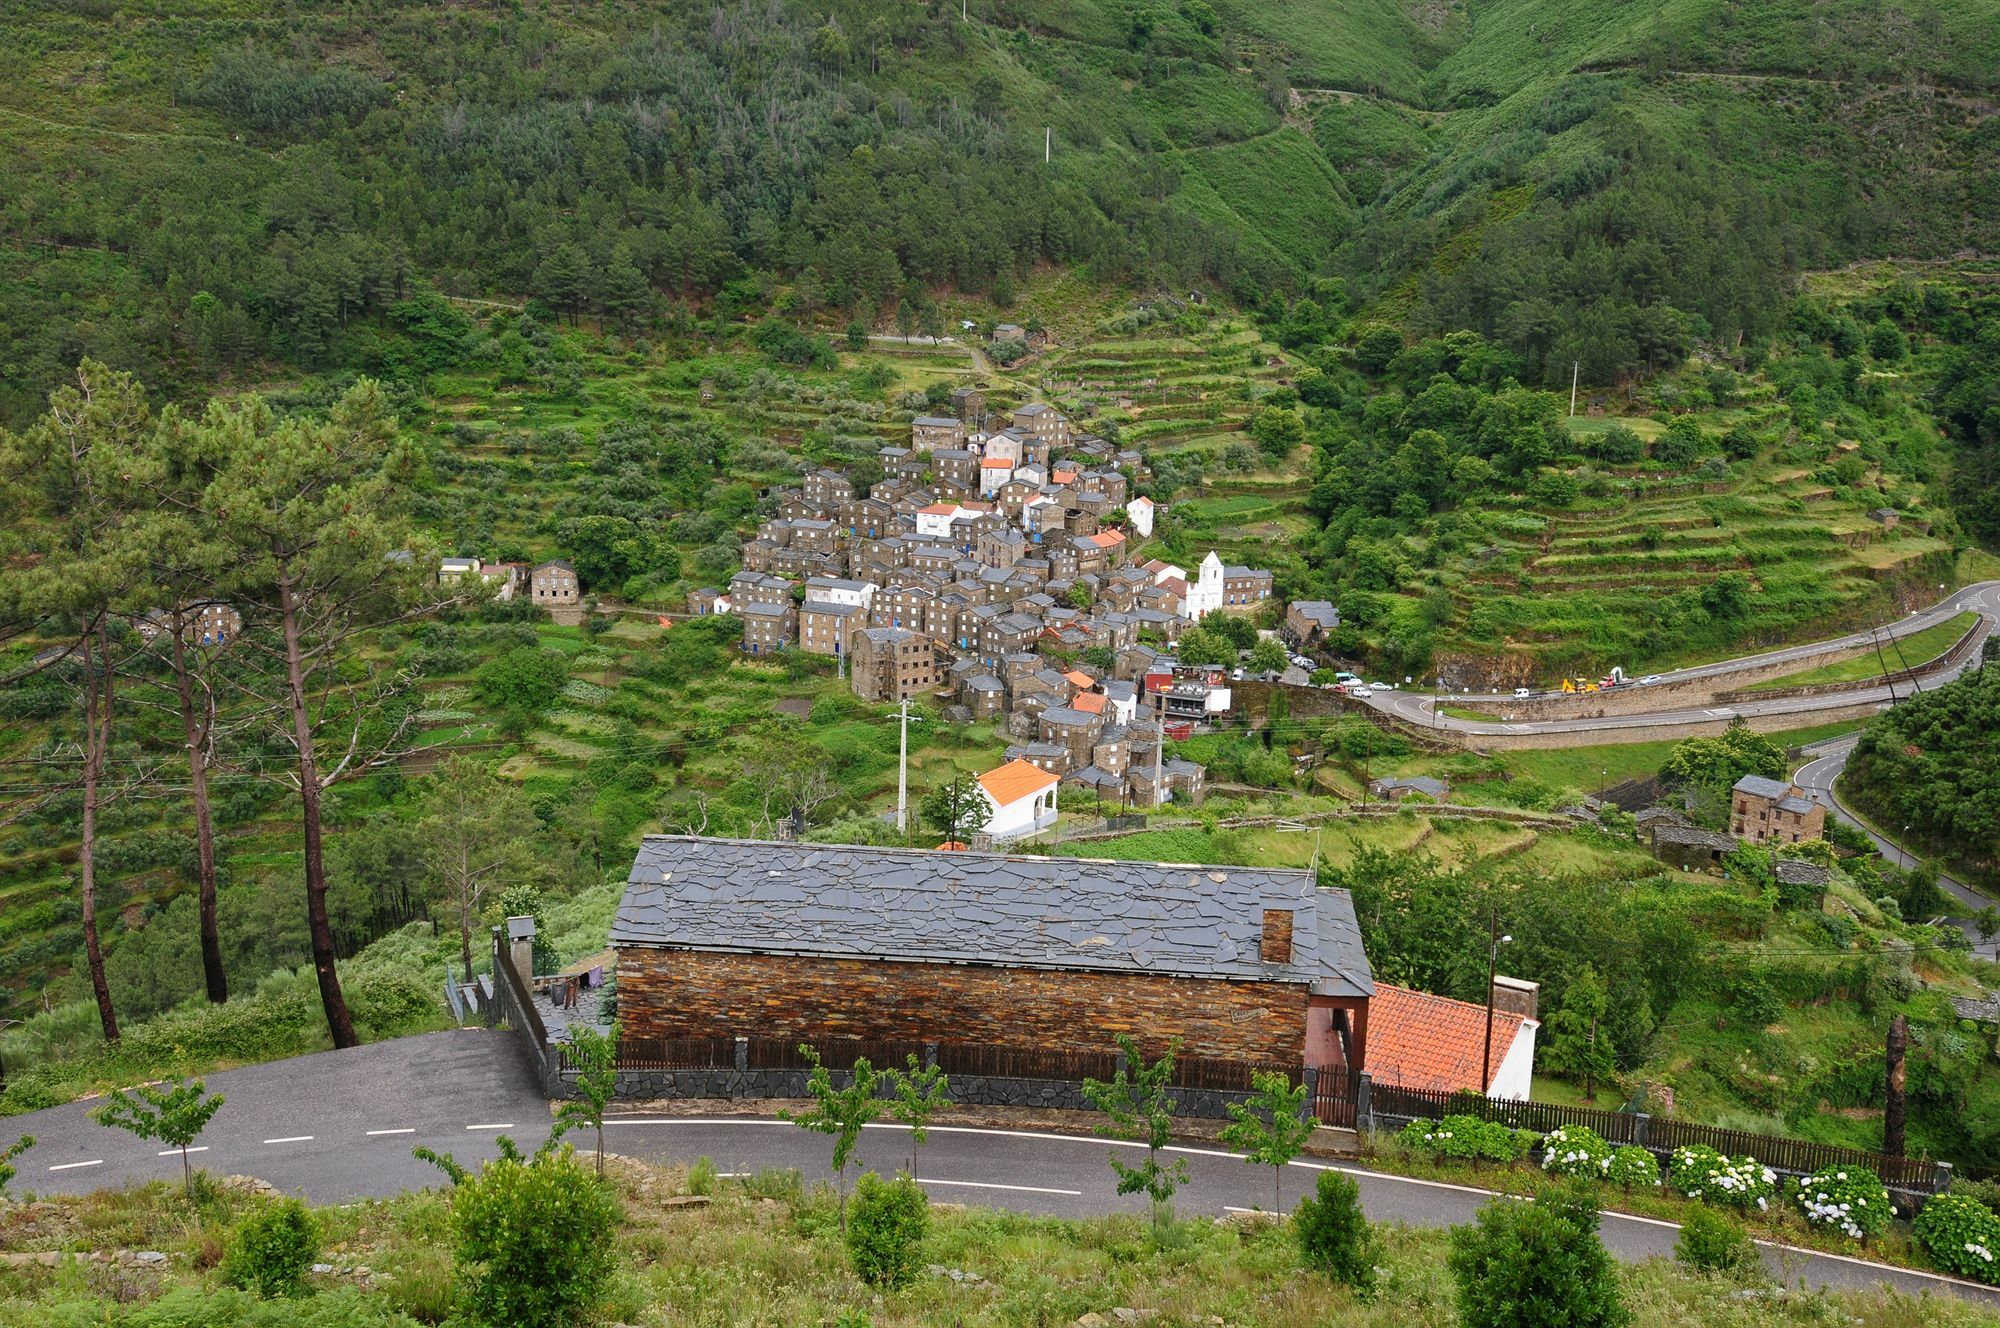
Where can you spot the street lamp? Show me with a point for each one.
(1492, 971)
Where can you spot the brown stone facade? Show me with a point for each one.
(687, 993)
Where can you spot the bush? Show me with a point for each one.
(1699, 1172)
(1633, 1166)
(1850, 1200)
(1714, 1243)
(272, 1250)
(1962, 1236)
(1467, 1139)
(1333, 1236)
(886, 1225)
(1536, 1263)
(1575, 1150)
(534, 1240)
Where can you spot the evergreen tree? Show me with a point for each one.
(1580, 1045)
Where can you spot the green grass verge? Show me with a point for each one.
(1905, 652)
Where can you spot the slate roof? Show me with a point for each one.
(1796, 805)
(1687, 834)
(1758, 786)
(1424, 784)
(914, 905)
(1793, 872)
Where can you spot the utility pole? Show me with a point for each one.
(1894, 1101)
(1492, 971)
(1048, 143)
(903, 770)
(1575, 366)
(1160, 751)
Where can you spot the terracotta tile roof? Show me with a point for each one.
(1106, 539)
(996, 463)
(1090, 703)
(1417, 1040)
(1081, 679)
(940, 509)
(1015, 780)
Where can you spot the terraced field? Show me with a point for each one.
(1562, 589)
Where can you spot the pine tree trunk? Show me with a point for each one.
(339, 1024)
(195, 731)
(96, 734)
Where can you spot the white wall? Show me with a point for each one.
(1514, 1077)
(1023, 816)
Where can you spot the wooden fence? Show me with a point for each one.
(1659, 1135)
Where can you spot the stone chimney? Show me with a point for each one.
(521, 945)
(981, 842)
(1516, 996)
(1276, 947)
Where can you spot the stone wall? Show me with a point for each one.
(683, 993)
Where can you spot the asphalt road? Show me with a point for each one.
(1416, 707)
(1816, 777)
(1069, 1176)
(334, 1126)
(340, 1125)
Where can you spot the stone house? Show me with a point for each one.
(888, 664)
(956, 466)
(748, 587)
(1075, 730)
(1308, 621)
(825, 627)
(969, 404)
(828, 488)
(989, 950)
(1690, 848)
(984, 695)
(928, 433)
(1773, 811)
(1047, 426)
(767, 628)
(553, 584)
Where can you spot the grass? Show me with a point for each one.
(1587, 768)
(1905, 652)
(771, 1254)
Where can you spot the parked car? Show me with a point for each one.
(1524, 691)
(1650, 679)
(1359, 692)
(1344, 676)
(1381, 687)
(1302, 661)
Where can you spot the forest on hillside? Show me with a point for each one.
(216, 196)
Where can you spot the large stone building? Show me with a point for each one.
(553, 584)
(1773, 811)
(1253, 965)
(890, 664)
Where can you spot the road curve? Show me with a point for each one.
(1817, 777)
(340, 1125)
(1982, 597)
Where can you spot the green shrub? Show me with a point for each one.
(1714, 1243)
(1699, 1172)
(1575, 1150)
(272, 1250)
(1333, 1236)
(1633, 1166)
(534, 1240)
(1962, 1236)
(1850, 1200)
(886, 1226)
(1523, 1264)
(1467, 1139)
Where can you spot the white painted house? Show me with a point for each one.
(1020, 800)
(1140, 510)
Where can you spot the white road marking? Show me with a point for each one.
(175, 1152)
(501, 1125)
(987, 1185)
(72, 1166)
(408, 1129)
(291, 1139)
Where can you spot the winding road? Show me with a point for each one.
(1817, 777)
(1982, 597)
(340, 1125)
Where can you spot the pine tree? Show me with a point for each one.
(1579, 1043)
(320, 550)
